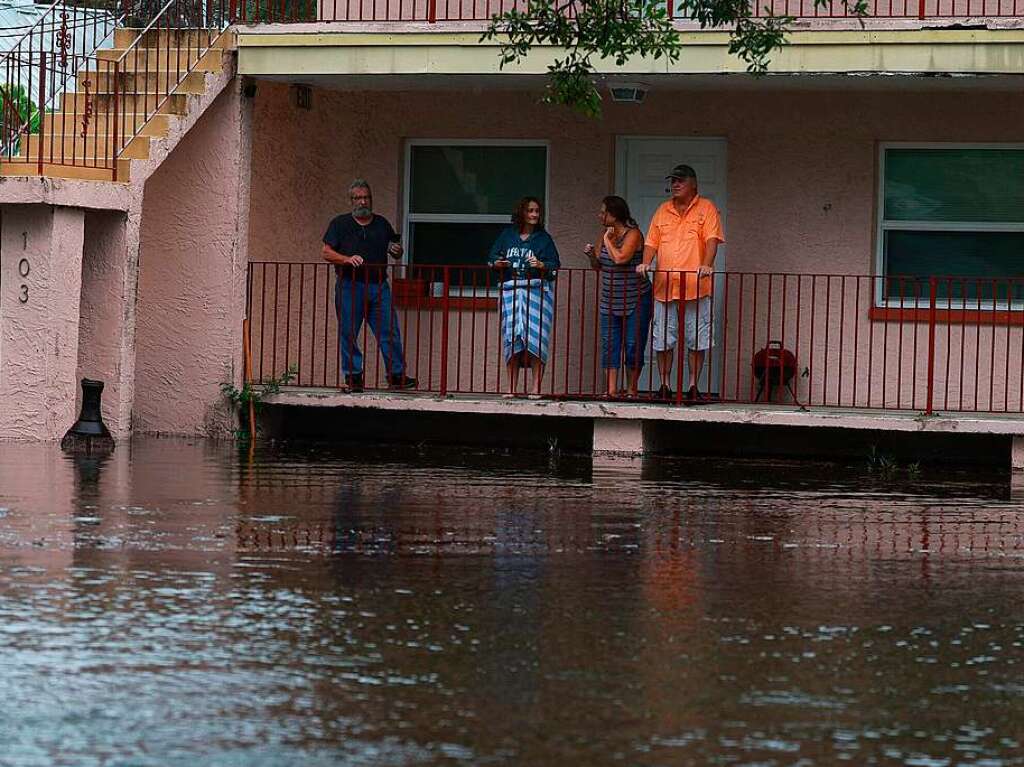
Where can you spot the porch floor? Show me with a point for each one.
(761, 414)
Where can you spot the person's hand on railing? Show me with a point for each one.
(355, 261)
(704, 270)
(535, 263)
(642, 268)
(502, 264)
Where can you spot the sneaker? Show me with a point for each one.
(354, 382)
(401, 382)
(665, 393)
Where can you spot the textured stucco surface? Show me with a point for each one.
(192, 277)
(44, 358)
(39, 336)
(801, 166)
(801, 178)
(102, 311)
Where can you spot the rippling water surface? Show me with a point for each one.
(181, 604)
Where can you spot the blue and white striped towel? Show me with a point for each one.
(527, 311)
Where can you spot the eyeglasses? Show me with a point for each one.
(355, 197)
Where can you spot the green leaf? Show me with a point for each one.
(620, 30)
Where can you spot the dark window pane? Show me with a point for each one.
(954, 185)
(998, 255)
(454, 245)
(475, 179)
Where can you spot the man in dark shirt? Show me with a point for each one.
(358, 244)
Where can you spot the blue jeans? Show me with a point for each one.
(626, 336)
(355, 301)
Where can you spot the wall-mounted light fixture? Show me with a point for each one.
(628, 93)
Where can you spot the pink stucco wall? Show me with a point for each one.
(801, 178)
(41, 260)
(102, 311)
(192, 276)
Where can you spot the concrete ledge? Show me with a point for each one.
(336, 49)
(64, 192)
(760, 415)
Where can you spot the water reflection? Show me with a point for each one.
(179, 604)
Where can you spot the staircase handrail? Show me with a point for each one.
(147, 28)
(60, 45)
(221, 24)
(39, 22)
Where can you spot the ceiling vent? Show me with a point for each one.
(628, 93)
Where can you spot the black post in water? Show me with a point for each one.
(89, 434)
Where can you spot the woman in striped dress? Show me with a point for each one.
(528, 260)
(625, 303)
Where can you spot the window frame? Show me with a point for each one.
(409, 218)
(881, 227)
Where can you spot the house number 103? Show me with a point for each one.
(24, 269)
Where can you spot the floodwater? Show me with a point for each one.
(179, 604)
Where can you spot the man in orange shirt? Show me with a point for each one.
(680, 248)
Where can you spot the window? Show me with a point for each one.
(460, 195)
(956, 213)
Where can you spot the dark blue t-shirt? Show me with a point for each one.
(350, 238)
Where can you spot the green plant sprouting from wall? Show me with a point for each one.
(240, 398)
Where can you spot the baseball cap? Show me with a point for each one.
(681, 172)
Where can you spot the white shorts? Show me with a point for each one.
(696, 324)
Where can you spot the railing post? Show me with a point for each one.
(920, 9)
(444, 331)
(680, 334)
(932, 294)
(431, 11)
(114, 153)
(42, 108)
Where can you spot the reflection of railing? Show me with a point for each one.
(857, 341)
(431, 11)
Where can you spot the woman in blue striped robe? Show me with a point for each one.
(528, 260)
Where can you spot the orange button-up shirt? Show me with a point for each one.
(680, 241)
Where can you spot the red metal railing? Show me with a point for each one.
(431, 11)
(43, 63)
(866, 342)
(71, 100)
(153, 70)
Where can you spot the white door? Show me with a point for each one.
(641, 166)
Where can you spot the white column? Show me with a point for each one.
(1017, 453)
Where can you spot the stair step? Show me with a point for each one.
(142, 82)
(184, 38)
(142, 59)
(92, 147)
(103, 103)
(155, 126)
(18, 168)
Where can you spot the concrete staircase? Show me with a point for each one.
(157, 81)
